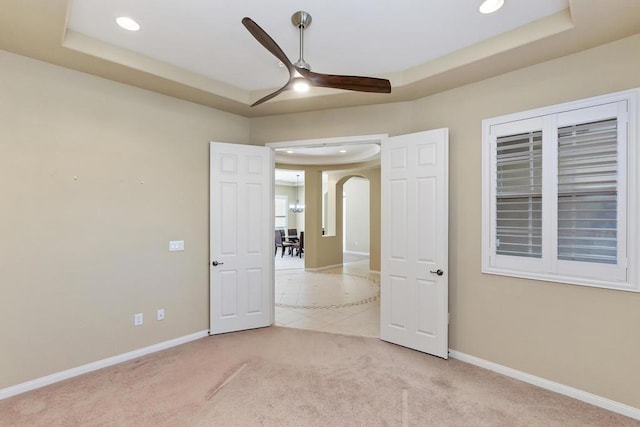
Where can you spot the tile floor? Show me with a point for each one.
(343, 300)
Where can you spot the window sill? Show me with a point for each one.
(618, 286)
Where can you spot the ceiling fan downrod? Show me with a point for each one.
(301, 20)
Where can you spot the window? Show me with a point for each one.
(281, 212)
(560, 191)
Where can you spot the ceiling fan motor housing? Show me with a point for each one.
(301, 19)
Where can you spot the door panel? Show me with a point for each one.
(427, 225)
(254, 291)
(229, 293)
(427, 291)
(414, 235)
(241, 237)
(398, 223)
(398, 298)
(228, 215)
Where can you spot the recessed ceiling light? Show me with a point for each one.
(490, 6)
(290, 152)
(343, 151)
(127, 23)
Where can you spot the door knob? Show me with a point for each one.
(216, 263)
(438, 272)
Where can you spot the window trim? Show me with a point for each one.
(286, 211)
(632, 209)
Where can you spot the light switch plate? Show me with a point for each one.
(176, 245)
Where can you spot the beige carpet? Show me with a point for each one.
(288, 377)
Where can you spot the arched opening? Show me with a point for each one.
(356, 224)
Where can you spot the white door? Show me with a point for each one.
(241, 237)
(414, 238)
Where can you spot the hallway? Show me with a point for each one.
(344, 300)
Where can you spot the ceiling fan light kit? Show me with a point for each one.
(300, 75)
(300, 85)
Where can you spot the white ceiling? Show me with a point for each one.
(328, 155)
(288, 177)
(198, 50)
(356, 37)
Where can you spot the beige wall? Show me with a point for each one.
(582, 337)
(356, 221)
(78, 257)
(323, 251)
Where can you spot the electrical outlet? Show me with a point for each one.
(161, 314)
(138, 319)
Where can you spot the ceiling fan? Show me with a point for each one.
(300, 74)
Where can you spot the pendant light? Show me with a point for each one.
(296, 207)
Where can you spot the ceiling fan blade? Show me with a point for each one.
(356, 83)
(273, 95)
(265, 40)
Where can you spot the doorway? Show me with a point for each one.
(414, 225)
(356, 221)
(289, 217)
(335, 285)
(339, 299)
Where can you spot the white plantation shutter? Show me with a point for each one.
(560, 198)
(519, 195)
(588, 192)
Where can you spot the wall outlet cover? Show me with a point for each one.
(176, 245)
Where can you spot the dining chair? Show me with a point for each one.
(292, 234)
(280, 243)
(299, 245)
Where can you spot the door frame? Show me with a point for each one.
(327, 142)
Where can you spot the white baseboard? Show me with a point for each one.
(93, 366)
(584, 396)
(326, 267)
(357, 253)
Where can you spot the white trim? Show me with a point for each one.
(566, 280)
(326, 267)
(94, 366)
(356, 253)
(624, 95)
(351, 140)
(593, 399)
